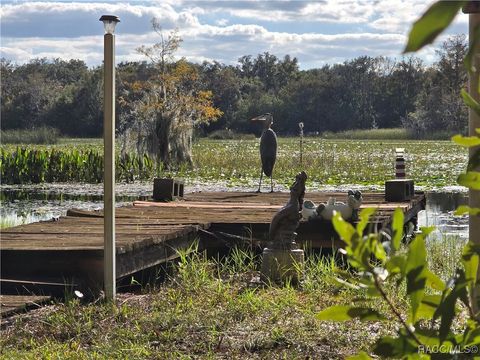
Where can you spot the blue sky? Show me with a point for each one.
(316, 32)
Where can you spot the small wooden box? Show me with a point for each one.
(167, 189)
(399, 190)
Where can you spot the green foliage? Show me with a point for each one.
(370, 134)
(470, 179)
(366, 93)
(206, 308)
(429, 297)
(236, 162)
(42, 135)
(345, 312)
(227, 134)
(432, 23)
(30, 165)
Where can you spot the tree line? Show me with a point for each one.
(362, 93)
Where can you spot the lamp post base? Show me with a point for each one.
(281, 265)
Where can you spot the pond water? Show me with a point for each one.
(439, 213)
(23, 204)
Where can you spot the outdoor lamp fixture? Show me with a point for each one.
(109, 266)
(109, 22)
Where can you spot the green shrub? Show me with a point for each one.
(368, 134)
(36, 165)
(41, 135)
(227, 134)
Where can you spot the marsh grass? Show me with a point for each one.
(444, 253)
(42, 135)
(369, 134)
(237, 162)
(329, 162)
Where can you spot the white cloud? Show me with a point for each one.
(212, 30)
(221, 22)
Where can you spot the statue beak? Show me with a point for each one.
(259, 118)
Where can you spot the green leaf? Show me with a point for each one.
(345, 312)
(345, 283)
(474, 161)
(471, 49)
(389, 347)
(344, 229)
(472, 333)
(470, 101)
(466, 141)
(465, 209)
(416, 275)
(364, 216)
(432, 23)
(428, 306)
(425, 231)
(471, 180)
(360, 356)
(470, 261)
(396, 264)
(428, 337)
(434, 281)
(397, 228)
(446, 309)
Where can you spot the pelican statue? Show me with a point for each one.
(268, 148)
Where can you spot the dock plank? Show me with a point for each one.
(15, 303)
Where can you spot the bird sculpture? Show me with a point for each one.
(268, 148)
(282, 228)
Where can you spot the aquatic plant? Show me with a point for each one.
(63, 164)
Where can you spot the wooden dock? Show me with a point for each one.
(70, 250)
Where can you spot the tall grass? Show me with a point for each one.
(444, 253)
(29, 165)
(237, 162)
(209, 308)
(329, 162)
(41, 135)
(227, 134)
(369, 134)
(386, 134)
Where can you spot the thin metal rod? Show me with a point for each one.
(109, 167)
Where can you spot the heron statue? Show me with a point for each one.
(268, 148)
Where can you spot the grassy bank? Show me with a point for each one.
(42, 135)
(386, 134)
(237, 162)
(210, 309)
(369, 134)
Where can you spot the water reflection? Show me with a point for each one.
(24, 206)
(439, 213)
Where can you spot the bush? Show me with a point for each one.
(227, 134)
(368, 134)
(41, 135)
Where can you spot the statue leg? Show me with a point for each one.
(260, 184)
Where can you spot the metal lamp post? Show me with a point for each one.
(109, 269)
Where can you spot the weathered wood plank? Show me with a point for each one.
(15, 303)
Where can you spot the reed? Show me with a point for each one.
(42, 135)
(37, 165)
